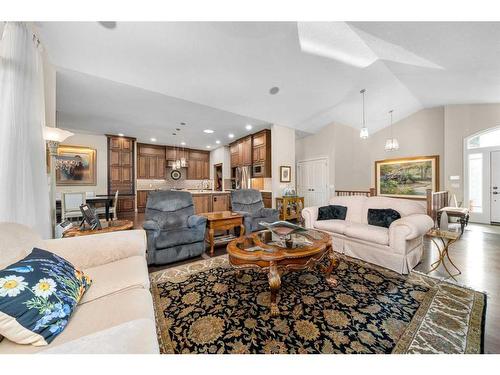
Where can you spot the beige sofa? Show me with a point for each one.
(116, 314)
(398, 247)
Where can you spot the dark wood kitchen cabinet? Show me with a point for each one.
(121, 168)
(142, 198)
(261, 153)
(220, 202)
(151, 161)
(198, 165)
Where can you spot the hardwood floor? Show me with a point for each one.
(477, 255)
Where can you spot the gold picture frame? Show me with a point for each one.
(407, 177)
(76, 166)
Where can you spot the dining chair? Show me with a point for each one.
(70, 205)
(112, 209)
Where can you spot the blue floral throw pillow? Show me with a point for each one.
(37, 297)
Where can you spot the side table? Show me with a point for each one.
(443, 239)
(222, 220)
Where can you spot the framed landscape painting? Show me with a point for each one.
(407, 177)
(75, 165)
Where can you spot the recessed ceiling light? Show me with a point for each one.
(208, 146)
(174, 133)
(183, 123)
(120, 134)
(274, 90)
(178, 129)
(217, 141)
(230, 135)
(208, 131)
(183, 143)
(153, 139)
(248, 127)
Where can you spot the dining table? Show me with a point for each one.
(106, 199)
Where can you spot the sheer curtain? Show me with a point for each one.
(24, 196)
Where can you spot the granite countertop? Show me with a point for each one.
(200, 191)
(192, 191)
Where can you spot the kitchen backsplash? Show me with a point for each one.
(170, 183)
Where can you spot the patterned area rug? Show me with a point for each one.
(205, 307)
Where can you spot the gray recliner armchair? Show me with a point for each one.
(249, 203)
(174, 232)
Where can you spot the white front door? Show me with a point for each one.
(495, 187)
(312, 181)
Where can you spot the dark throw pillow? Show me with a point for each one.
(37, 297)
(339, 212)
(332, 212)
(382, 217)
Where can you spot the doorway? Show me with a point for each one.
(218, 181)
(312, 181)
(482, 176)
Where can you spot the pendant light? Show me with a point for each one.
(392, 143)
(363, 134)
(183, 158)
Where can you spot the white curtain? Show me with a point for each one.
(24, 196)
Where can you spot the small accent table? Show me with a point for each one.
(290, 207)
(447, 238)
(107, 226)
(222, 220)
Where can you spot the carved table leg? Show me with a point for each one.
(274, 285)
(334, 263)
(211, 233)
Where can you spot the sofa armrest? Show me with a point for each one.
(310, 215)
(151, 225)
(196, 221)
(408, 228)
(97, 249)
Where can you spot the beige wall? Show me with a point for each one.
(352, 160)
(98, 142)
(222, 156)
(282, 153)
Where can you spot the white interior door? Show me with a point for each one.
(312, 181)
(495, 187)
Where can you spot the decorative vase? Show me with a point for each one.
(443, 222)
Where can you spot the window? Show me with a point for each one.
(476, 182)
(488, 139)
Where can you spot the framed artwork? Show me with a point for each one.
(285, 173)
(407, 177)
(75, 166)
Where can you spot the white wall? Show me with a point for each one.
(222, 156)
(98, 142)
(282, 153)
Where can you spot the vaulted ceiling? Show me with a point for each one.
(206, 67)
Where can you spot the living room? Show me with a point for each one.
(268, 187)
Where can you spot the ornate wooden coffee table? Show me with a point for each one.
(265, 251)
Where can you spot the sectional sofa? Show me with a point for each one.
(398, 247)
(116, 314)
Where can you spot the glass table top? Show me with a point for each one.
(270, 242)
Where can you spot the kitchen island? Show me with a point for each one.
(203, 200)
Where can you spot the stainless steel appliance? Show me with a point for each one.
(258, 170)
(243, 175)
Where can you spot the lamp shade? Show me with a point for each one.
(363, 134)
(55, 134)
